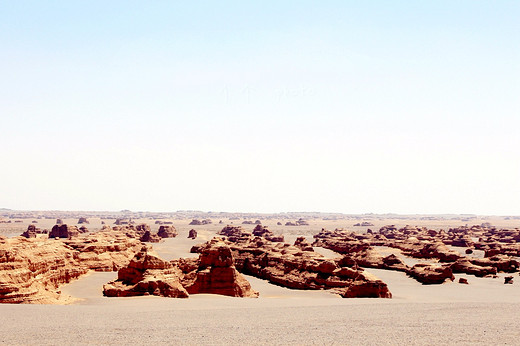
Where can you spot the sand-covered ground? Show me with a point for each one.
(483, 312)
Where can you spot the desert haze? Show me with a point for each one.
(292, 278)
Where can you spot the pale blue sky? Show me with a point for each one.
(347, 106)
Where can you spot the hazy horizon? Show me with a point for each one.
(342, 106)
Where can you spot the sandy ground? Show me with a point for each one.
(483, 312)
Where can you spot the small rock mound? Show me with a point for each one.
(167, 231)
(64, 231)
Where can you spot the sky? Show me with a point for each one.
(267, 106)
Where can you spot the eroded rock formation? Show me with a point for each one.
(167, 231)
(213, 272)
(31, 270)
(289, 266)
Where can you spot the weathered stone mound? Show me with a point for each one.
(105, 250)
(32, 232)
(64, 231)
(235, 234)
(141, 231)
(303, 244)
(289, 266)
(149, 237)
(214, 272)
(429, 250)
(196, 222)
(263, 231)
(431, 274)
(83, 220)
(192, 234)
(340, 241)
(31, 270)
(147, 274)
(167, 231)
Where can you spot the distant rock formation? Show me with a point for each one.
(196, 222)
(167, 231)
(300, 222)
(289, 266)
(31, 232)
(303, 244)
(83, 220)
(192, 234)
(214, 272)
(32, 270)
(64, 231)
(263, 231)
(147, 274)
(431, 274)
(149, 237)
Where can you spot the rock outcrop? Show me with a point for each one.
(149, 237)
(192, 234)
(431, 274)
(32, 270)
(147, 274)
(83, 220)
(214, 272)
(64, 231)
(289, 266)
(167, 231)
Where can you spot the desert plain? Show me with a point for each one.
(483, 311)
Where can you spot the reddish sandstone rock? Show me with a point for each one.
(214, 272)
(303, 244)
(167, 231)
(64, 231)
(429, 250)
(463, 281)
(31, 270)
(192, 234)
(217, 274)
(147, 274)
(83, 220)
(289, 266)
(149, 237)
(263, 231)
(142, 228)
(30, 233)
(430, 274)
(467, 267)
(235, 233)
(105, 250)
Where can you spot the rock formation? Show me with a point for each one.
(83, 220)
(31, 270)
(303, 244)
(167, 231)
(192, 234)
(147, 274)
(289, 266)
(64, 231)
(431, 274)
(149, 237)
(214, 272)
